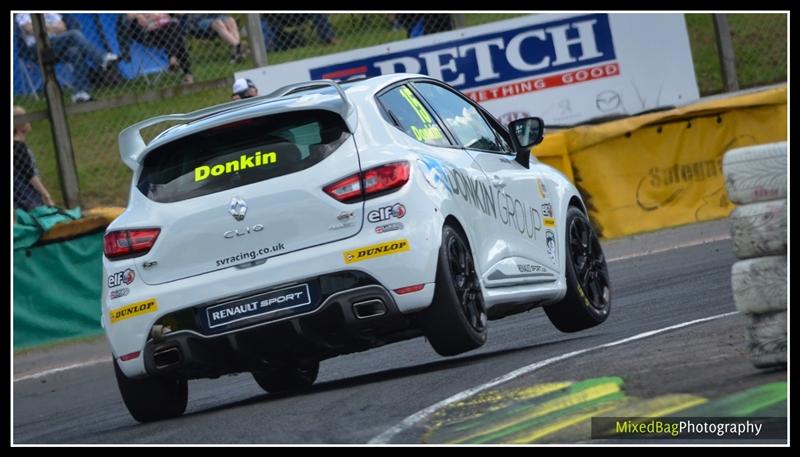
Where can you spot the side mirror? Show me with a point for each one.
(526, 133)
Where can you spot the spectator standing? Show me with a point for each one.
(69, 46)
(29, 191)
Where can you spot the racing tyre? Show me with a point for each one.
(759, 285)
(291, 377)
(456, 320)
(766, 339)
(759, 229)
(755, 173)
(588, 299)
(153, 398)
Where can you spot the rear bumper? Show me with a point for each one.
(416, 265)
(350, 320)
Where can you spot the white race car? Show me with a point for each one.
(268, 234)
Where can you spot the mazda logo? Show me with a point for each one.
(608, 101)
(238, 208)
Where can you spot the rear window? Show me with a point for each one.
(240, 153)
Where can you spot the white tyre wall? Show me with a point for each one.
(759, 229)
(755, 173)
(759, 285)
(766, 339)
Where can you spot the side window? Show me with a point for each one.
(500, 132)
(412, 117)
(463, 119)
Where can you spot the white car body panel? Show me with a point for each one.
(514, 266)
(292, 215)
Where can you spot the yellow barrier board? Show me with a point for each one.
(664, 169)
(91, 220)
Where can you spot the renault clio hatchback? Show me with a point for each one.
(268, 234)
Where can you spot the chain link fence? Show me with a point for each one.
(759, 45)
(118, 69)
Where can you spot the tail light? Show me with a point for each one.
(129, 243)
(370, 183)
(409, 289)
(130, 356)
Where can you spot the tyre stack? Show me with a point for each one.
(755, 179)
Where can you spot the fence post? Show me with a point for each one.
(58, 116)
(727, 59)
(459, 21)
(256, 37)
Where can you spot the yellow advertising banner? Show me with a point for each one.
(665, 169)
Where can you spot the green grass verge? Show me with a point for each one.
(96, 337)
(760, 43)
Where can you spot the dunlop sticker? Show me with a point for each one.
(375, 250)
(133, 310)
(549, 222)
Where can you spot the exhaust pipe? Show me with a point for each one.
(165, 357)
(369, 308)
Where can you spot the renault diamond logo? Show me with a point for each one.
(238, 208)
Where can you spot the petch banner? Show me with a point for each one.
(565, 68)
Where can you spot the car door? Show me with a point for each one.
(521, 210)
(459, 179)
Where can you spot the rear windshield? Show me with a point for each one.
(241, 153)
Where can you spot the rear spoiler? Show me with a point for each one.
(348, 110)
(132, 145)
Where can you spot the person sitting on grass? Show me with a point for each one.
(211, 25)
(70, 46)
(159, 30)
(284, 31)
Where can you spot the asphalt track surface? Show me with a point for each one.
(359, 396)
